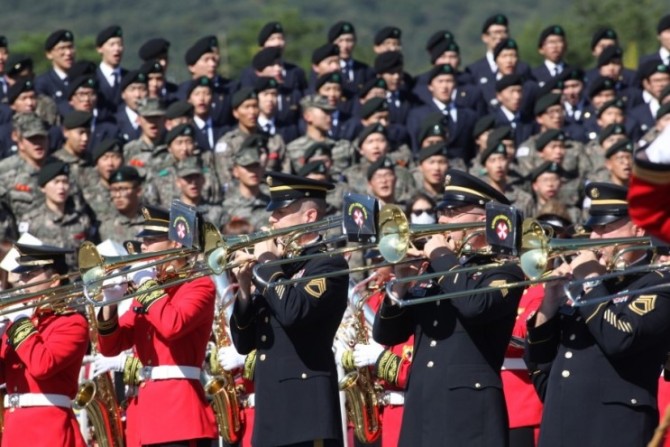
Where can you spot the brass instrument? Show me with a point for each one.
(221, 387)
(362, 402)
(98, 398)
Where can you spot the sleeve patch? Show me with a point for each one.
(500, 283)
(613, 320)
(643, 304)
(316, 287)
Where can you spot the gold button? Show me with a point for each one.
(568, 355)
(263, 338)
(565, 373)
(435, 323)
(633, 401)
(433, 343)
(430, 364)
(304, 376)
(478, 385)
(262, 357)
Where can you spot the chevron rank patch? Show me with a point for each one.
(643, 304)
(316, 287)
(500, 283)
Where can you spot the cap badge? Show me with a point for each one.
(595, 193)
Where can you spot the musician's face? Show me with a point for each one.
(37, 276)
(619, 228)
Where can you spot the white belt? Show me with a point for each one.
(37, 400)
(514, 363)
(169, 372)
(393, 398)
(248, 401)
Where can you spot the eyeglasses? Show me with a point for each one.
(420, 211)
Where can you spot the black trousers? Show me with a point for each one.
(522, 437)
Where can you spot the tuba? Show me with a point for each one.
(221, 387)
(362, 403)
(97, 397)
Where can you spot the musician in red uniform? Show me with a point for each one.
(169, 329)
(242, 366)
(40, 358)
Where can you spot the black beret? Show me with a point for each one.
(16, 63)
(544, 102)
(601, 84)
(329, 78)
(184, 129)
(382, 163)
(207, 44)
(389, 61)
(437, 38)
(369, 130)
(547, 137)
(202, 81)
(107, 145)
(325, 51)
(23, 84)
(179, 109)
(663, 24)
(153, 49)
(53, 168)
(624, 145)
(461, 189)
(81, 81)
(505, 44)
(442, 69)
(499, 134)
(497, 19)
(609, 55)
(433, 125)
(609, 130)
(133, 77)
(433, 149)
(340, 28)
(108, 33)
(313, 167)
(663, 110)
(76, 119)
(553, 30)
(266, 57)
(572, 74)
(508, 81)
(441, 48)
(268, 30)
(242, 95)
(151, 66)
(651, 67)
(61, 35)
(608, 203)
(486, 122)
(546, 167)
(603, 33)
(374, 105)
(319, 148)
(493, 146)
(388, 32)
(263, 83)
(82, 68)
(372, 83)
(616, 102)
(125, 174)
(3, 42)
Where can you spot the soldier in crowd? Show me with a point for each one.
(318, 169)
(244, 199)
(546, 181)
(662, 121)
(552, 45)
(151, 119)
(125, 189)
(133, 89)
(106, 159)
(60, 49)
(663, 33)
(109, 74)
(179, 112)
(354, 72)
(200, 94)
(330, 87)
(389, 67)
(325, 60)
(269, 120)
(619, 162)
(510, 96)
(596, 149)
(190, 181)
(76, 133)
(431, 169)
(382, 180)
(157, 84)
(654, 77)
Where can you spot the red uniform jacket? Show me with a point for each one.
(47, 362)
(174, 331)
(523, 405)
(649, 198)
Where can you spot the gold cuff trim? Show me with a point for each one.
(249, 366)
(20, 331)
(131, 369)
(387, 367)
(348, 360)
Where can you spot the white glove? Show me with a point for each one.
(113, 289)
(229, 358)
(103, 364)
(366, 355)
(139, 277)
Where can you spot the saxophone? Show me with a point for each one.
(98, 398)
(362, 403)
(221, 387)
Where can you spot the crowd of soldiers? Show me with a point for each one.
(92, 151)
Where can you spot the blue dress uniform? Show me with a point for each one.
(454, 393)
(292, 328)
(603, 360)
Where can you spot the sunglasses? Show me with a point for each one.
(421, 211)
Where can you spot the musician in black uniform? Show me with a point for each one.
(454, 393)
(603, 359)
(292, 327)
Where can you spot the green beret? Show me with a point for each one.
(53, 168)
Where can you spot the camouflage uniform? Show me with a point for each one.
(212, 213)
(342, 154)
(18, 186)
(252, 210)
(161, 178)
(68, 230)
(97, 194)
(357, 179)
(77, 165)
(521, 200)
(229, 144)
(528, 158)
(575, 214)
(119, 228)
(597, 172)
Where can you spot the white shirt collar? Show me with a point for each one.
(665, 55)
(491, 61)
(109, 72)
(60, 73)
(552, 67)
(508, 114)
(263, 121)
(202, 123)
(132, 117)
